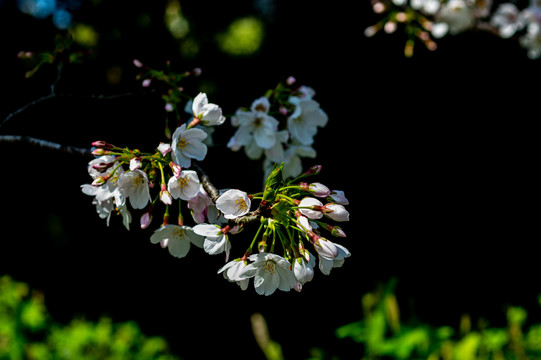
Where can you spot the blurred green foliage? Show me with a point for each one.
(382, 335)
(27, 331)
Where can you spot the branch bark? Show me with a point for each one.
(46, 144)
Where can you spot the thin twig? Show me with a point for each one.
(45, 144)
(53, 95)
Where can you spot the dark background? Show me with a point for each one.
(435, 154)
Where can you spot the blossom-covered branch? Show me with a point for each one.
(290, 215)
(426, 21)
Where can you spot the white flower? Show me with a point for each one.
(508, 20)
(187, 145)
(306, 207)
(457, 14)
(303, 122)
(216, 241)
(233, 203)
(336, 212)
(270, 272)
(326, 264)
(134, 185)
(325, 248)
(164, 148)
(303, 267)
(177, 239)
(208, 114)
(185, 187)
(338, 197)
(232, 271)
(110, 189)
(255, 126)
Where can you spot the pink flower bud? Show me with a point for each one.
(100, 152)
(137, 63)
(169, 107)
(314, 170)
(135, 163)
(146, 219)
(176, 169)
(146, 83)
(165, 196)
(103, 145)
(317, 189)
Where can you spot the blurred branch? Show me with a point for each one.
(45, 144)
(53, 95)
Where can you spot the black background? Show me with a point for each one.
(435, 153)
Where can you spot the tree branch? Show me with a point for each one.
(45, 144)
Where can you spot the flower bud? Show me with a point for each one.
(137, 63)
(176, 169)
(336, 212)
(103, 145)
(165, 196)
(314, 170)
(146, 219)
(326, 248)
(135, 163)
(100, 152)
(317, 189)
(100, 180)
(102, 167)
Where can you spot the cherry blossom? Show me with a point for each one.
(187, 145)
(270, 272)
(177, 239)
(233, 203)
(134, 185)
(232, 271)
(184, 187)
(208, 114)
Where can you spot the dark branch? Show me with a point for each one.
(205, 182)
(45, 144)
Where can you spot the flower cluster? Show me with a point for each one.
(291, 214)
(426, 20)
(292, 220)
(113, 185)
(280, 127)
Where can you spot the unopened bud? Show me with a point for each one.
(146, 219)
(137, 63)
(103, 145)
(101, 167)
(317, 189)
(99, 181)
(165, 196)
(314, 170)
(176, 169)
(326, 248)
(336, 212)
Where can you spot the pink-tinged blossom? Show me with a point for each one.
(336, 212)
(187, 144)
(325, 248)
(164, 148)
(317, 189)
